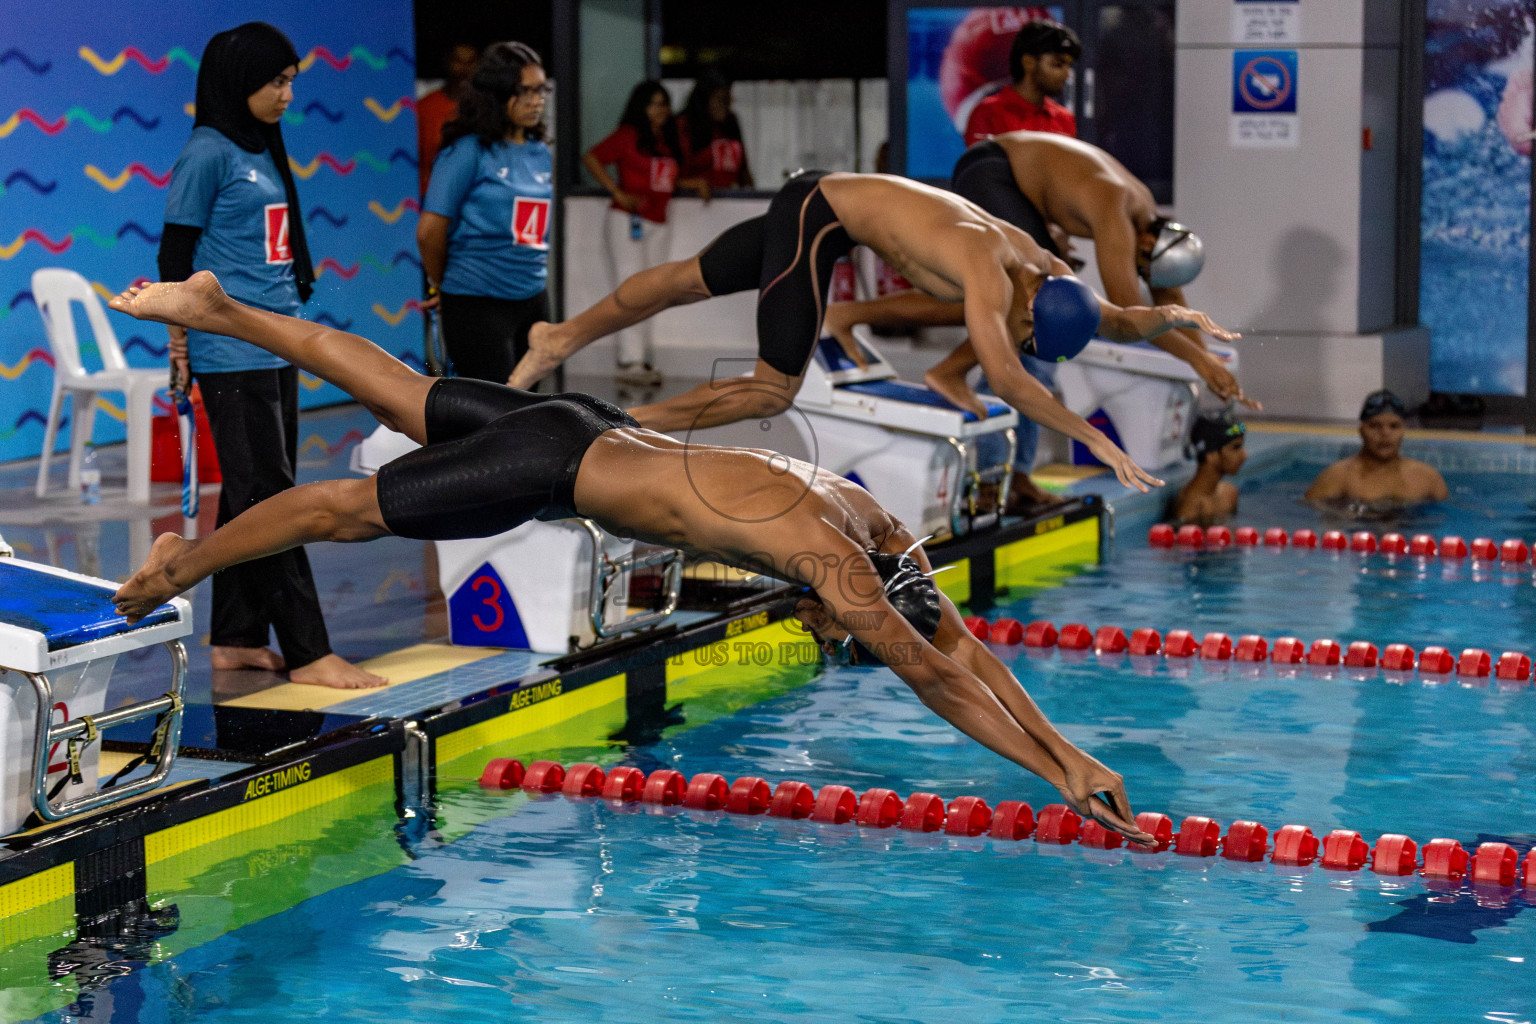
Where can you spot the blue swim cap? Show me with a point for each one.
(1066, 316)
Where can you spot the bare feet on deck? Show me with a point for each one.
(333, 671)
(545, 352)
(1025, 497)
(246, 657)
(955, 391)
(189, 303)
(151, 586)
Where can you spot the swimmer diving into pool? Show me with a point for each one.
(1016, 296)
(495, 457)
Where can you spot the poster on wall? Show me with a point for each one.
(98, 103)
(1476, 213)
(1261, 22)
(956, 57)
(1265, 110)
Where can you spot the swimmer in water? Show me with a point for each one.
(494, 457)
(1017, 297)
(1217, 444)
(1378, 477)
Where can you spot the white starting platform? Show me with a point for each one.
(552, 588)
(907, 445)
(1148, 396)
(60, 638)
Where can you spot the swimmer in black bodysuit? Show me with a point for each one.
(944, 245)
(494, 457)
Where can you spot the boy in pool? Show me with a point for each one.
(1378, 476)
(1217, 443)
(495, 457)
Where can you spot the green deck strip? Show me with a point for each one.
(1037, 563)
(37, 916)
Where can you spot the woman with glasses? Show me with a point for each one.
(231, 208)
(484, 227)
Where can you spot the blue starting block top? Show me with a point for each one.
(67, 612)
(903, 391)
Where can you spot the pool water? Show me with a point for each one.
(561, 910)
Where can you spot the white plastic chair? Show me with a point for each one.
(54, 289)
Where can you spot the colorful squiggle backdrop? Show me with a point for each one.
(95, 103)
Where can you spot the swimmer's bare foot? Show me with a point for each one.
(1025, 497)
(545, 353)
(955, 391)
(333, 671)
(190, 303)
(152, 585)
(246, 657)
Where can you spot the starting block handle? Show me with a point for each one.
(962, 506)
(605, 568)
(169, 705)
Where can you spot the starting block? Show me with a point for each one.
(60, 638)
(1147, 395)
(552, 587)
(906, 445)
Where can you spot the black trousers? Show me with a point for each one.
(255, 419)
(485, 337)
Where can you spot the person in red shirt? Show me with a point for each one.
(440, 106)
(1041, 61)
(646, 151)
(712, 135)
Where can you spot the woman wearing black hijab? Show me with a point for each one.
(232, 209)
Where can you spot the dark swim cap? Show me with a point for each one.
(911, 593)
(1066, 316)
(1213, 433)
(1378, 402)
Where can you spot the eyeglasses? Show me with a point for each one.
(525, 92)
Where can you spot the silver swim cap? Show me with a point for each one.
(1177, 256)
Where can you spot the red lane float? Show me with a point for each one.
(1039, 634)
(1180, 643)
(923, 812)
(1304, 538)
(1485, 549)
(1218, 537)
(544, 777)
(1198, 837)
(1110, 640)
(1445, 859)
(1246, 537)
(502, 773)
(835, 805)
(1398, 658)
(707, 792)
(1159, 827)
(1275, 537)
(1394, 544)
(1436, 661)
(583, 779)
(1423, 545)
(1161, 536)
(664, 786)
(1057, 824)
(1012, 820)
(1452, 546)
(1514, 551)
(1295, 844)
(749, 795)
(1334, 540)
(1363, 542)
(1513, 665)
(1528, 870)
(1344, 850)
(967, 816)
(624, 783)
(1096, 837)
(1074, 636)
(1394, 855)
(1494, 864)
(1190, 536)
(879, 808)
(1251, 647)
(1288, 650)
(1361, 654)
(1146, 641)
(1323, 653)
(979, 627)
(1216, 647)
(1245, 840)
(1007, 632)
(792, 800)
(1474, 663)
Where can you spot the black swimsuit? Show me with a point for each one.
(495, 458)
(985, 177)
(787, 254)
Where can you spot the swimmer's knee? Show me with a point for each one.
(349, 510)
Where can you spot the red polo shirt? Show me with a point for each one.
(649, 177)
(1007, 111)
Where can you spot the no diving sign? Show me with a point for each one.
(1264, 106)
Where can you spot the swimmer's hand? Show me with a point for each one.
(1095, 792)
(1221, 381)
(1126, 471)
(1176, 317)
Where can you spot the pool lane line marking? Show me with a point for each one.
(1494, 870)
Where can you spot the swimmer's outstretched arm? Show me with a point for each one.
(392, 391)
